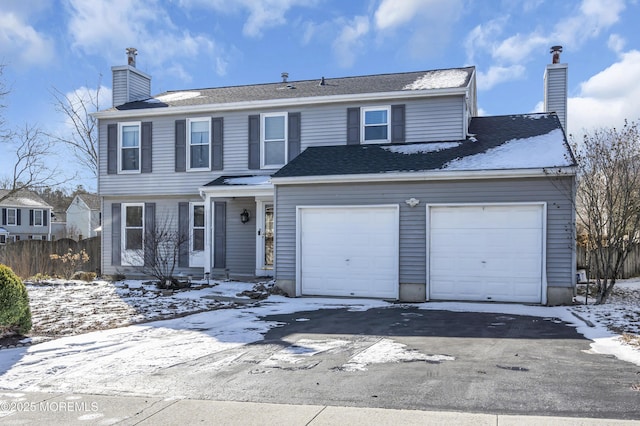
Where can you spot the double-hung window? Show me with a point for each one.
(133, 234)
(199, 141)
(12, 217)
(375, 124)
(274, 140)
(38, 218)
(129, 146)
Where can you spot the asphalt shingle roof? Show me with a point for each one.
(498, 142)
(23, 198)
(91, 200)
(381, 83)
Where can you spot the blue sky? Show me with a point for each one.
(70, 45)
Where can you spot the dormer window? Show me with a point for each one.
(199, 142)
(129, 138)
(375, 124)
(274, 140)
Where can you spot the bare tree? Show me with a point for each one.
(31, 168)
(608, 200)
(83, 139)
(163, 244)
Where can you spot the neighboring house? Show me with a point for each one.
(83, 216)
(25, 216)
(58, 225)
(384, 186)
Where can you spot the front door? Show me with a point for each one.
(265, 239)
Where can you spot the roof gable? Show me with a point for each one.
(91, 200)
(496, 143)
(23, 198)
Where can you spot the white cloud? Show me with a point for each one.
(593, 17)
(21, 43)
(616, 43)
(349, 40)
(607, 98)
(107, 27)
(499, 74)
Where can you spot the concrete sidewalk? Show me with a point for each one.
(17, 408)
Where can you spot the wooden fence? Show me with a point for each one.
(30, 257)
(630, 268)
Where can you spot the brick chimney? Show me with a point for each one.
(129, 83)
(555, 86)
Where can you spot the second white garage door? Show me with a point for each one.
(486, 253)
(349, 251)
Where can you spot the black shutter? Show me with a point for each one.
(183, 230)
(397, 123)
(45, 215)
(145, 148)
(4, 216)
(112, 149)
(217, 143)
(293, 142)
(353, 126)
(219, 230)
(254, 142)
(18, 217)
(181, 145)
(151, 237)
(30, 217)
(116, 238)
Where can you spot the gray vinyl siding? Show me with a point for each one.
(166, 209)
(555, 82)
(119, 93)
(560, 240)
(139, 87)
(24, 230)
(426, 120)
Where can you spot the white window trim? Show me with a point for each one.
(15, 216)
(41, 217)
(120, 126)
(195, 120)
(197, 257)
(130, 257)
(363, 112)
(262, 139)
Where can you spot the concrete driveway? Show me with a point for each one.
(405, 358)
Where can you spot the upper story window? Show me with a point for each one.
(12, 217)
(375, 124)
(129, 147)
(38, 218)
(274, 140)
(199, 142)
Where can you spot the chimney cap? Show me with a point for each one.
(555, 52)
(285, 76)
(132, 52)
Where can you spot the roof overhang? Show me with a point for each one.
(431, 175)
(225, 191)
(276, 103)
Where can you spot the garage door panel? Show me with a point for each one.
(486, 252)
(349, 251)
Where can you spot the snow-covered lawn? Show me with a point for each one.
(88, 362)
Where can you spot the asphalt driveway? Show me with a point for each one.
(401, 357)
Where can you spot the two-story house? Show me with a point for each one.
(386, 186)
(25, 216)
(83, 216)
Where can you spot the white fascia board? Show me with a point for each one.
(236, 191)
(432, 175)
(275, 103)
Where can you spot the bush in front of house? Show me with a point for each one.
(15, 315)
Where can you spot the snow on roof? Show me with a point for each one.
(440, 79)
(249, 180)
(420, 148)
(3, 231)
(546, 150)
(175, 96)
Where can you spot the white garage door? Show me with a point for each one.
(349, 251)
(486, 253)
